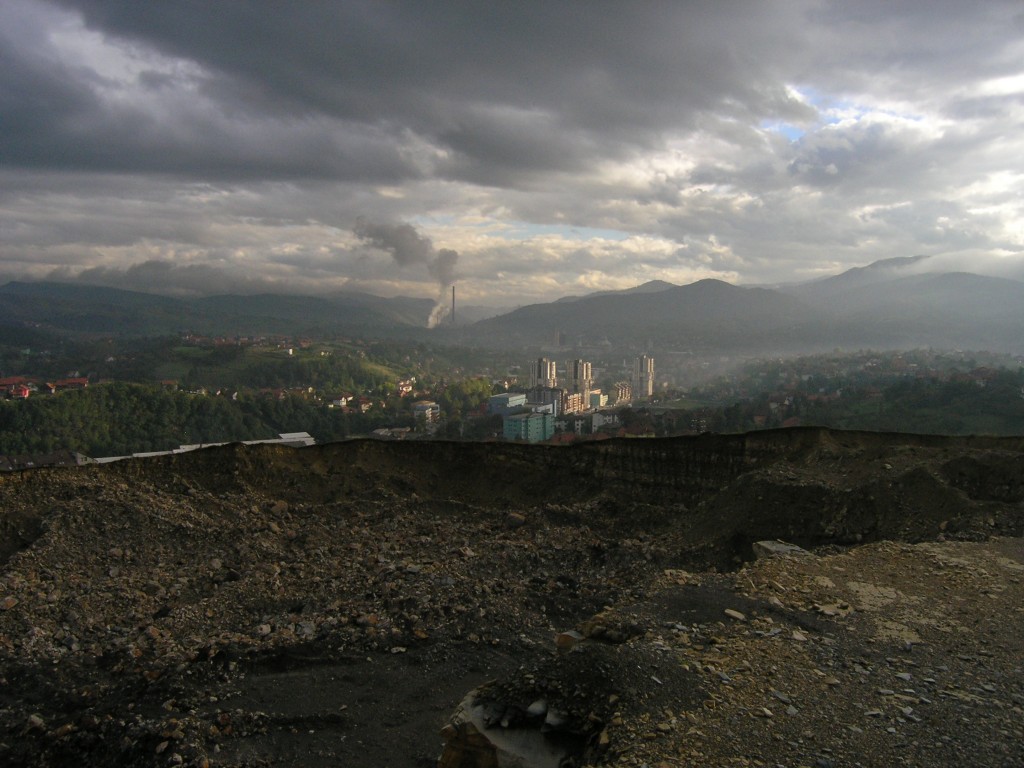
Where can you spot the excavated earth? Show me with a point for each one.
(493, 605)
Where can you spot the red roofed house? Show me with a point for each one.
(77, 383)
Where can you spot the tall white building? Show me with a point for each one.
(579, 378)
(427, 410)
(543, 373)
(643, 376)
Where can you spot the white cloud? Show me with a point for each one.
(557, 153)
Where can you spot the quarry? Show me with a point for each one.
(788, 597)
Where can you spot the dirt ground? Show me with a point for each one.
(885, 654)
(396, 605)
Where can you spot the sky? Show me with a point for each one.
(525, 150)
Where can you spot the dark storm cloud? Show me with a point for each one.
(500, 87)
(74, 118)
(750, 138)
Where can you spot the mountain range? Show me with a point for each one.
(79, 308)
(890, 304)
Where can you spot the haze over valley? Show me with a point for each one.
(894, 304)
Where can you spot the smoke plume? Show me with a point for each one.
(408, 247)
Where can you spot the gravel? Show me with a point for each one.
(388, 605)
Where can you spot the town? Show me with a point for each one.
(544, 409)
(117, 397)
(171, 394)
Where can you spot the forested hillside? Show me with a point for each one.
(119, 418)
(990, 403)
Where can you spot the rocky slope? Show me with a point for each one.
(390, 604)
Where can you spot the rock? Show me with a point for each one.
(566, 641)
(781, 696)
(465, 745)
(469, 742)
(732, 614)
(537, 708)
(777, 548)
(555, 719)
(8, 602)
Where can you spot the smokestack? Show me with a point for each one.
(453, 304)
(407, 246)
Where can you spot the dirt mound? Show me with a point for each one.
(260, 605)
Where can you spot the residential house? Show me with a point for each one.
(77, 382)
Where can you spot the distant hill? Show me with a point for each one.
(74, 308)
(652, 286)
(401, 310)
(705, 313)
(889, 304)
(875, 273)
(286, 313)
(945, 310)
